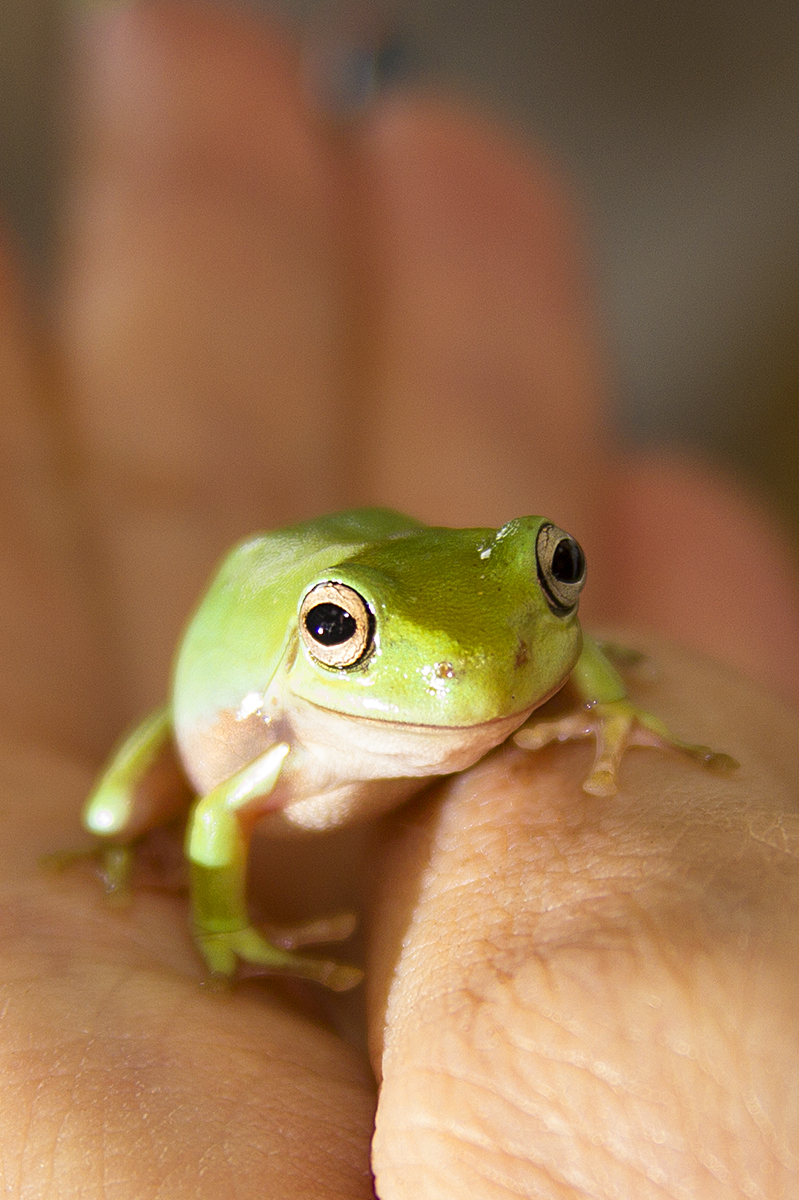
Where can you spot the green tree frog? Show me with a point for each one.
(335, 667)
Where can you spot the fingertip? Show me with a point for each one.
(199, 306)
(163, 80)
(490, 375)
(492, 184)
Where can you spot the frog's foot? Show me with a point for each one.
(223, 950)
(616, 725)
(314, 933)
(113, 862)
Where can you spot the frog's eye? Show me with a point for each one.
(561, 569)
(336, 625)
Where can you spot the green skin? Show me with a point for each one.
(465, 643)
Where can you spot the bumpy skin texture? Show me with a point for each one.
(614, 984)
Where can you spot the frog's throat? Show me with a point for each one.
(350, 768)
(341, 746)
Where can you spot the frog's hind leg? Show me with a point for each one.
(217, 845)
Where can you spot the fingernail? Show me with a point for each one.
(352, 54)
(89, 7)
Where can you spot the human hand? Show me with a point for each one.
(262, 316)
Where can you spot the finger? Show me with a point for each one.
(580, 997)
(50, 675)
(201, 312)
(491, 395)
(488, 375)
(118, 1071)
(700, 560)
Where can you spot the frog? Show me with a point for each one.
(332, 670)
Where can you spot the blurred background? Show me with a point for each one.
(679, 122)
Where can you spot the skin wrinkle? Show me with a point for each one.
(446, 1183)
(479, 1168)
(781, 1152)
(513, 1148)
(703, 1069)
(26, 1138)
(576, 1186)
(126, 945)
(779, 832)
(50, 1128)
(511, 1033)
(47, 1072)
(240, 1105)
(146, 1133)
(568, 1125)
(650, 912)
(460, 897)
(520, 928)
(625, 847)
(77, 1086)
(713, 1077)
(501, 1178)
(685, 997)
(176, 1119)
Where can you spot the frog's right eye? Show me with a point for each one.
(561, 569)
(336, 625)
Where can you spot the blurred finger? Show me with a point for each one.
(201, 308)
(51, 679)
(488, 379)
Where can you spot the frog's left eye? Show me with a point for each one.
(336, 625)
(561, 568)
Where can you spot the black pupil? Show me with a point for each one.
(330, 624)
(568, 562)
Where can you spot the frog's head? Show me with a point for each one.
(447, 627)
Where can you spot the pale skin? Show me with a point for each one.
(567, 996)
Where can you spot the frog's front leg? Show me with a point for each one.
(609, 716)
(141, 787)
(217, 845)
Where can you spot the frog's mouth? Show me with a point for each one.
(381, 747)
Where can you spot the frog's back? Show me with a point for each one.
(239, 633)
